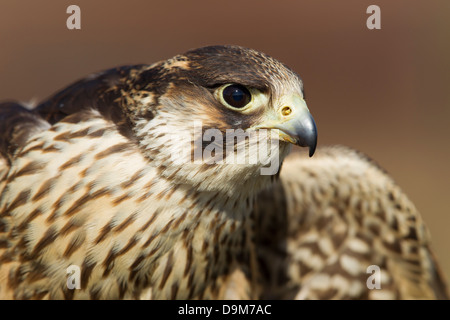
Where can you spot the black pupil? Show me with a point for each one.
(236, 96)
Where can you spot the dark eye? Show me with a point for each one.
(236, 96)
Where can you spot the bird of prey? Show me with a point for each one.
(88, 178)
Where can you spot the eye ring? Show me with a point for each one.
(235, 96)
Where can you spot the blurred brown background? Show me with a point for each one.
(385, 92)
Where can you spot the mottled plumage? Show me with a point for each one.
(87, 178)
(337, 214)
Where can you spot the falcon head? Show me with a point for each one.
(182, 112)
(183, 109)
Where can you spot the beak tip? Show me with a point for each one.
(313, 144)
(300, 130)
(310, 138)
(311, 151)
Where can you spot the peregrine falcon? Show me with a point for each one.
(115, 176)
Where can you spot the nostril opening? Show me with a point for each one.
(285, 111)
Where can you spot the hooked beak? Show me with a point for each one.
(295, 124)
